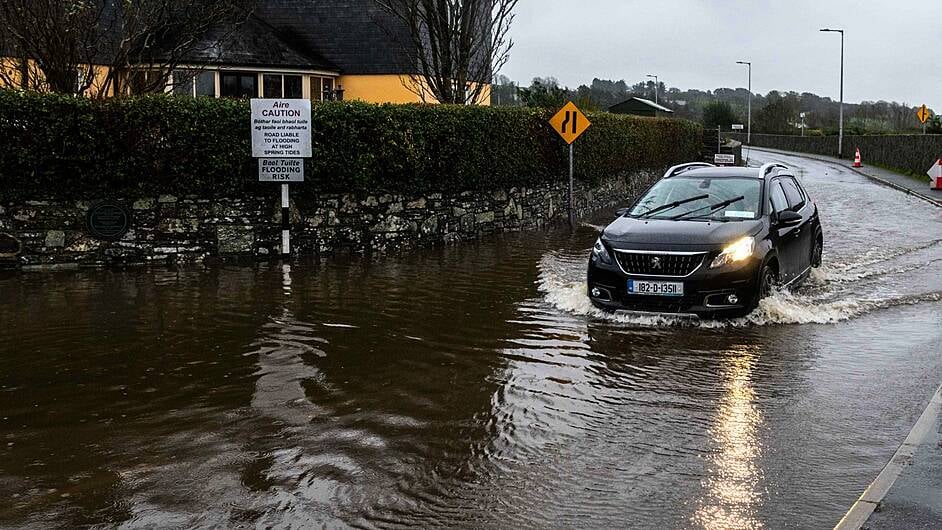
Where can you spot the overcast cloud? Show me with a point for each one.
(893, 49)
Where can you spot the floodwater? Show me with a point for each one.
(469, 386)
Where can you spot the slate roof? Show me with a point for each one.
(343, 36)
(256, 43)
(358, 36)
(635, 102)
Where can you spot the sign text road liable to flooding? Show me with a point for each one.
(280, 170)
(281, 128)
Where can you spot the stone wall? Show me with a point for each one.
(168, 229)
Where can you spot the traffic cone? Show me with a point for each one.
(857, 159)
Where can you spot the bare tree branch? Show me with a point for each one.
(455, 47)
(59, 43)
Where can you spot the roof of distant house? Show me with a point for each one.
(646, 102)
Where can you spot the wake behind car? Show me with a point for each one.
(707, 241)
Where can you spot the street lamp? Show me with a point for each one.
(840, 134)
(749, 131)
(655, 87)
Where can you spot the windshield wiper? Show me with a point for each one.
(670, 205)
(712, 208)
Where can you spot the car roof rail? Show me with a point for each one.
(771, 166)
(676, 170)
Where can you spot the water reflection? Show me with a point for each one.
(733, 496)
(282, 343)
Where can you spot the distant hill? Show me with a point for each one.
(775, 112)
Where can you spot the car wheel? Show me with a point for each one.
(768, 279)
(817, 252)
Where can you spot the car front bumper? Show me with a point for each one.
(706, 291)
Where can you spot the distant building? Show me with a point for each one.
(640, 107)
(324, 49)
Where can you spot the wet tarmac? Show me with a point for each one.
(468, 386)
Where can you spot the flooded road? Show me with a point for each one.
(470, 386)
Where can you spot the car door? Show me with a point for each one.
(798, 203)
(786, 238)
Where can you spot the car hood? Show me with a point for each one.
(663, 232)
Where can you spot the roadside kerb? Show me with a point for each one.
(908, 191)
(861, 511)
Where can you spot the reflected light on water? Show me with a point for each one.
(733, 474)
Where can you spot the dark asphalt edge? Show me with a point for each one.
(832, 160)
(863, 508)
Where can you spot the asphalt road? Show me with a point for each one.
(468, 386)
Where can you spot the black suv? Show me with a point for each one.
(707, 241)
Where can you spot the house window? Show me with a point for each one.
(328, 92)
(322, 89)
(206, 84)
(282, 86)
(238, 85)
(146, 82)
(194, 83)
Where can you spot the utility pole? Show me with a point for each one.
(656, 87)
(840, 134)
(749, 130)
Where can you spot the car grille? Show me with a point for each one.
(658, 264)
(658, 304)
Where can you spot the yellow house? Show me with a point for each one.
(329, 49)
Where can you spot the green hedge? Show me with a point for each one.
(911, 153)
(59, 146)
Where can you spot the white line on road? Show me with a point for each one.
(861, 511)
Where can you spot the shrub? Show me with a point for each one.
(909, 153)
(63, 146)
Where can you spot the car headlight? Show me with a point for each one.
(739, 250)
(600, 252)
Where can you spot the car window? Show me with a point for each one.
(711, 190)
(795, 199)
(778, 199)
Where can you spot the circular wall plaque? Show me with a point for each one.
(10, 246)
(108, 220)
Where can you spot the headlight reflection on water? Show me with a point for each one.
(733, 474)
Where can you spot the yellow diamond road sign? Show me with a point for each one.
(923, 114)
(570, 122)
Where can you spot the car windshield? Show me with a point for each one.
(712, 192)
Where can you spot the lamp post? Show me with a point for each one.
(840, 134)
(655, 87)
(749, 105)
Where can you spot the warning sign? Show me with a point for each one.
(570, 122)
(281, 128)
(280, 170)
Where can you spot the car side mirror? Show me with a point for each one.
(788, 218)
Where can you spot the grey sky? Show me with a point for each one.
(893, 48)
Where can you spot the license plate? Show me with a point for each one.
(656, 288)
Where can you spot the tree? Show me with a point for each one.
(544, 93)
(934, 126)
(57, 42)
(53, 43)
(162, 34)
(779, 115)
(719, 114)
(456, 46)
(504, 92)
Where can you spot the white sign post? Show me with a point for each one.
(737, 127)
(281, 139)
